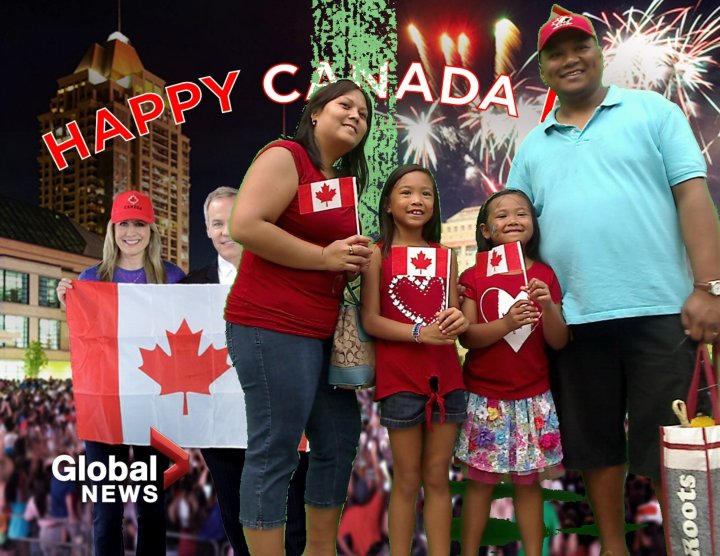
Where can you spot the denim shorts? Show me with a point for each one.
(406, 409)
(285, 381)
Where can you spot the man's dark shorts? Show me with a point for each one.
(634, 366)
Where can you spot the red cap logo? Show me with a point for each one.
(562, 21)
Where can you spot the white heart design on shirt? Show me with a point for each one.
(403, 290)
(516, 338)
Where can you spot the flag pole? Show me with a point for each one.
(357, 208)
(447, 280)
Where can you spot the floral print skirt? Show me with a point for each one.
(517, 440)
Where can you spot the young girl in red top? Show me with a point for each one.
(511, 432)
(419, 378)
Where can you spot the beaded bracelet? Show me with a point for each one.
(416, 332)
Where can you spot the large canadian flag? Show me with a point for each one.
(421, 261)
(327, 194)
(153, 356)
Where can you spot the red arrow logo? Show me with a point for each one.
(179, 457)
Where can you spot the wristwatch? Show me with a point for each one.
(712, 287)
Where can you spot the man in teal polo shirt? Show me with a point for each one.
(618, 182)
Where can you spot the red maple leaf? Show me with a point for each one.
(420, 261)
(326, 194)
(495, 259)
(183, 370)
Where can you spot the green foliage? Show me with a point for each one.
(362, 34)
(592, 530)
(35, 359)
(500, 532)
(562, 496)
(505, 490)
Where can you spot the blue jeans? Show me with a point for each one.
(226, 465)
(285, 380)
(108, 516)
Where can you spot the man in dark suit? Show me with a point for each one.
(226, 464)
(223, 268)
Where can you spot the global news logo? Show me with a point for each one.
(118, 481)
(111, 482)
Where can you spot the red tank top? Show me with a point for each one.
(290, 300)
(408, 366)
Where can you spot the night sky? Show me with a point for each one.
(184, 40)
(177, 41)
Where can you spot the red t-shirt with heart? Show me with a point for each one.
(516, 366)
(409, 366)
(291, 300)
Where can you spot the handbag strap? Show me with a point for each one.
(354, 299)
(703, 364)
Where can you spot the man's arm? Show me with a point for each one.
(701, 234)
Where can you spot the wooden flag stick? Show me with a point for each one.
(448, 277)
(357, 206)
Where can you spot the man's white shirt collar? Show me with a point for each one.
(226, 272)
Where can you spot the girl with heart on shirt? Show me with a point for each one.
(410, 305)
(511, 432)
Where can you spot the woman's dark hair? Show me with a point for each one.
(532, 249)
(431, 230)
(352, 163)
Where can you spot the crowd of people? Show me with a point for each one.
(567, 337)
(46, 516)
(41, 516)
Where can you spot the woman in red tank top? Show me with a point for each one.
(282, 310)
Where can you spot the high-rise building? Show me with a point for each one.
(157, 163)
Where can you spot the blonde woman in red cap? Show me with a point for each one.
(131, 254)
(132, 249)
(619, 184)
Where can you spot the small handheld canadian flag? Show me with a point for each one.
(331, 194)
(507, 257)
(420, 261)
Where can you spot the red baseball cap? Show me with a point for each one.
(132, 205)
(562, 20)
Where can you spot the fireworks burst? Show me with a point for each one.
(495, 136)
(507, 43)
(492, 131)
(463, 45)
(670, 52)
(673, 52)
(419, 43)
(421, 136)
(490, 185)
(448, 48)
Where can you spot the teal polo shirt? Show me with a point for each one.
(603, 195)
